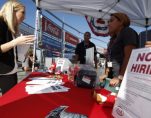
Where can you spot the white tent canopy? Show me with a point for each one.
(139, 11)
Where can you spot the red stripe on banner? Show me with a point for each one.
(98, 30)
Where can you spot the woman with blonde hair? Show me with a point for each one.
(12, 14)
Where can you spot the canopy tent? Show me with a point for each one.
(137, 10)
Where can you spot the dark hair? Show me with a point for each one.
(88, 33)
(30, 62)
(122, 17)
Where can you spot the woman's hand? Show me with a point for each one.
(23, 40)
(18, 41)
(115, 81)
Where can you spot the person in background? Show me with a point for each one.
(148, 44)
(122, 45)
(12, 14)
(27, 65)
(80, 51)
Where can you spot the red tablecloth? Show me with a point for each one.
(16, 103)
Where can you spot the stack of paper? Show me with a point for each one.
(39, 85)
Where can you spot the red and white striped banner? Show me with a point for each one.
(98, 26)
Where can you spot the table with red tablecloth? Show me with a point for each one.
(17, 103)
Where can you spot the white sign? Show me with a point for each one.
(134, 97)
(90, 56)
(63, 64)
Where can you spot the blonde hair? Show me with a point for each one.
(7, 13)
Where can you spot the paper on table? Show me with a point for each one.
(35, 88)
(39, 85)
(38, 89)
(52, 82)
(38, 82)
(40, 78)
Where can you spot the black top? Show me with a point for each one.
(126, 37)
(6, 59)
(81, 51)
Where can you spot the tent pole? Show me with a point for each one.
(63, 41)
(42, 59)
(36, 35)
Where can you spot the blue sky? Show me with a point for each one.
(75, 21)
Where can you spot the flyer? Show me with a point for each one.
(134, 97)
